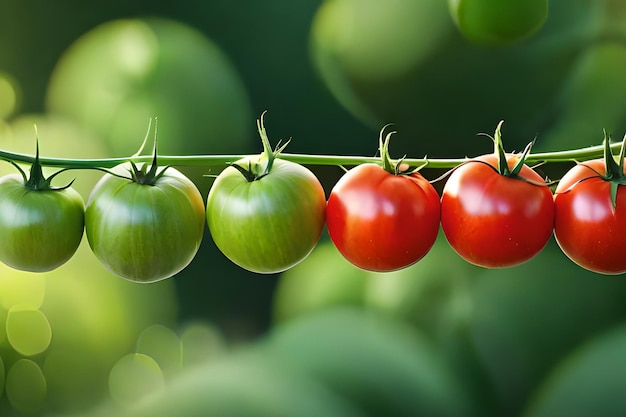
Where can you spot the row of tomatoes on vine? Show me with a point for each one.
(267, 214)
(494, 210)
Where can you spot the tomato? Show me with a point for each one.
(40, 229)
(268, 224)
(380, 221)
(145, 232)
(498, 22)
(492, 220)
(115, 76)
(587, 228)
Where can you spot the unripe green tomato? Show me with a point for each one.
(40, 229)
(145, 233)
(498, 22)
(270, 224)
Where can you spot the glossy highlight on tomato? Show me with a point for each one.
(589, 230)
(40, 230)
(142, 232)
(380, 221)
(492, 220)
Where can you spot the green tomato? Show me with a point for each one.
(498, 22)
(40, 230)
(115, 76)
(145, 233)
(269, 224)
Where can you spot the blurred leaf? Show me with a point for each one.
(324, 279)
(382, 365)
(528, 317)
(434, 294)
(245, 384)
(593, 99)
(588, 382)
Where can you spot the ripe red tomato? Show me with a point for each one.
(380, 221)
(587, 228)
(492, 220)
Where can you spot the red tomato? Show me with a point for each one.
(492, 220)
(587, 228)
(380, 221)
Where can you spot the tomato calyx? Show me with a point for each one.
(36, 180)
(397, 168)
(145, 175)
(255, 168)
(614, 171)
(503, 165)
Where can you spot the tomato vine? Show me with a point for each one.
(573, 155)
(266, 212)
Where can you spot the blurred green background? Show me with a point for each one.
(441, 338)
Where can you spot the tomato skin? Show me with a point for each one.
(497, 22)
(492, 220)
(145, 233)
(270, 224)
(587, 229)
(380, 221)
(40, 229)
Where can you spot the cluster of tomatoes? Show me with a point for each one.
(266, 214)
(144, 225)
(495, 211)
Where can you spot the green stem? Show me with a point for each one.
(582, 154)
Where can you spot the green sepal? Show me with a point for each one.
(144, 175)
(502, 163)
(36, 179)
(613, 186)
(246, 172)
(520, 163)
(383, 148)
(262, 167)
(614, 170)
(386, 161)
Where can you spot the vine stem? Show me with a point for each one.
(582, 154)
